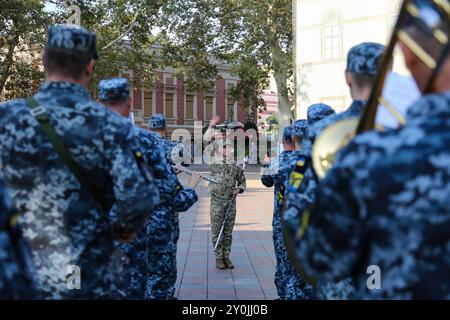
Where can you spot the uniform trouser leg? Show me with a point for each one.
(133, 275)
(133, 281)
(280, 278)
(160, 264)
(172, 277)
(296, 287)
(218, 211)
(228, 230)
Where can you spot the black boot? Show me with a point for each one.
(228, 263)
(220, 264)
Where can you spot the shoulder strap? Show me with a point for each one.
(41, 116)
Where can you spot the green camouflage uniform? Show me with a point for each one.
(228, 176)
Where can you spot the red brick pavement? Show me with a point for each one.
(252, 250)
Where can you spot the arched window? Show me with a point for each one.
(332, 36)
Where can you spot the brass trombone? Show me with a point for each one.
(433, 16)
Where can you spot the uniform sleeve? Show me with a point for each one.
(331, 243)
(267, 178)
(207, 134)
(185, 199)
(241, 181)
(135, 197)
(172, 192)
(15, 256)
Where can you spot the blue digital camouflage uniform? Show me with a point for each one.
(385, 203)
(362, 59)
(317, 112)
(273, 177)
(176, 151)
(162, 227)
(151, 269)
(296, 287)
(64, 224)
(15, 282)
(299, 288)
(160, 284)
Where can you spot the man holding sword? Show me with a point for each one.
(230, 182)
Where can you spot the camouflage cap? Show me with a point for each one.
(157, 122)
(318, 111)
(364, 58)
(114, 89)
(287, 134)
(299, 128)
(72, 38)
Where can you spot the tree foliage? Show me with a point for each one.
(21, 37)
(253, 37)
(123, 29)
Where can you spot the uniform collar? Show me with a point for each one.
(430, 107)
(286, 152)
(69, 87)
(357, 107)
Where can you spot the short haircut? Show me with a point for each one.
(66, 62)
(298, 140)
(288, 140)
(363, 80)
(114, 103)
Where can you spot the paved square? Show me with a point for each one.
(252, 249)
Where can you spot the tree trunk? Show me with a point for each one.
(7, 63)
(280, 66)
(284, 105)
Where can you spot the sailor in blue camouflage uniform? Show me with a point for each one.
(177, 155)
(362, 67)
(272, 177)
(298, 288)
(151, 270)
(16, 282)
(66, 225)
(385, 201)
(176, 151)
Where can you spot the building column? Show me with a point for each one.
(159, 92)
(180, 102)
(200, 111)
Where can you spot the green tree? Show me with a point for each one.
(254, 80)
(21, 37)
(262, 30)
(124, 36)
(254, 36)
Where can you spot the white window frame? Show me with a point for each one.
(332, 22)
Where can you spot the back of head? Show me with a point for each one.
(318, 111)
(113, 92)
(299, 130)
(157, 122)
(287, 135)
(68, 50)
(363, 63)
